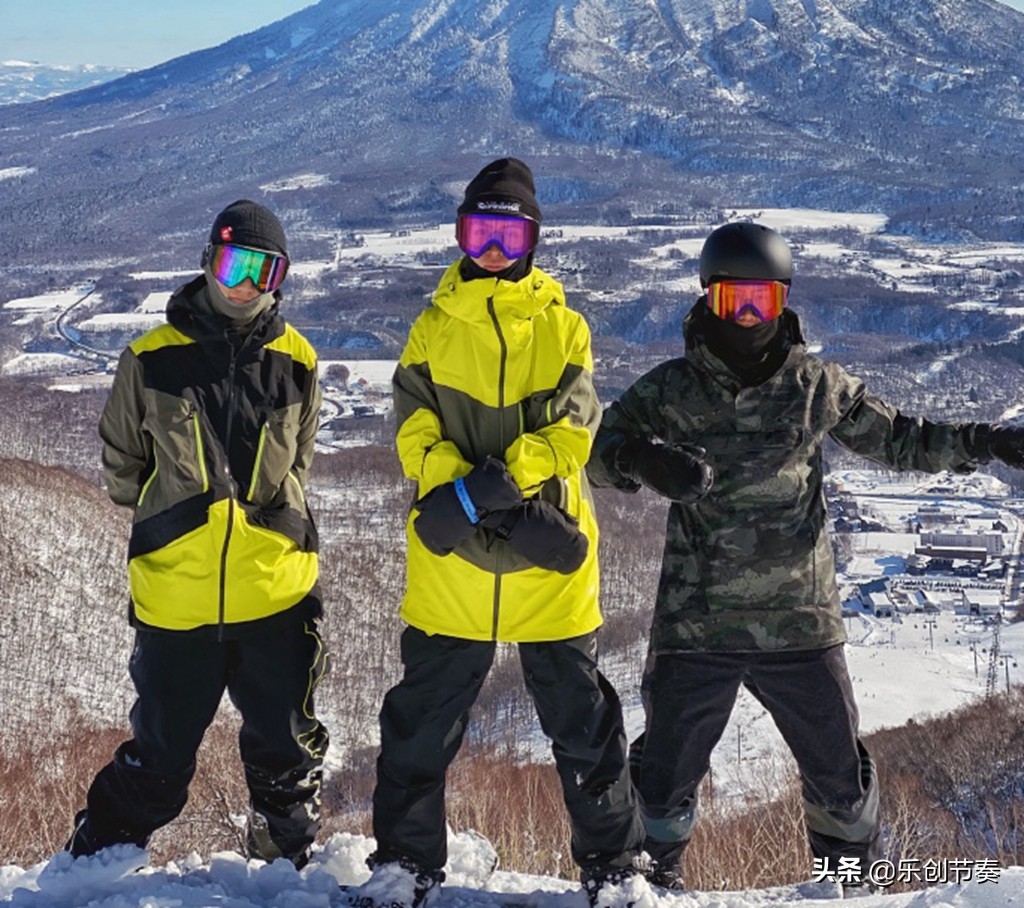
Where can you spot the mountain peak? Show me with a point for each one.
(907, 107)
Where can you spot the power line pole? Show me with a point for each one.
(993, 663)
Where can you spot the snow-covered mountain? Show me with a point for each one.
(22, 81)
(913, 108)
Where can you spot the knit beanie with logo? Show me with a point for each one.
(504, 186)
(245, 223)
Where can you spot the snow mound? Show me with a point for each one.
(121, 877)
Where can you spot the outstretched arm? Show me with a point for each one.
(878, 431)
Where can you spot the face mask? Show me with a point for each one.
(239, 313)
(747, 343)
(471, 271)
(737, 346)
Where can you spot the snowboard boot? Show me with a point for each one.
(400, 883)
(622, 887)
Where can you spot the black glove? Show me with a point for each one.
(543, 534)
(1006, 443)
(450, 513)
(491, 487)
(677, 472)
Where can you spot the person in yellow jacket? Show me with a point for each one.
(496, 412)
(208, 436)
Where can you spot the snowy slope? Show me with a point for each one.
(22, 81)
(227, 881)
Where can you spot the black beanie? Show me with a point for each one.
(504, 186)
(244, 223)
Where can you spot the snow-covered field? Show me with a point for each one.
(906, 265)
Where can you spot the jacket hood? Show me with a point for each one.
(523, 299)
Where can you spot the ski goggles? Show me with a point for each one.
(233, 264)
(731, 299)
(514, 236)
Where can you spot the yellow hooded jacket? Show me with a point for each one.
(499, 368)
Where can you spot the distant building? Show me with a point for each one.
(990, 543)
(984, 603)
(941, 555)
(925, 601)
(876, 585)
(916, 565)
(993, 570)
(880, 605)
(966, 567)
(932, 515)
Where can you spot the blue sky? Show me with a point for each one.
(132, 33)
(135, 33)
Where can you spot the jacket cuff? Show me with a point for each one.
(531, 460)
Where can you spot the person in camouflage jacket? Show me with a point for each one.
(732, 432)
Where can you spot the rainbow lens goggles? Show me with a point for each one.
(515, 236)
(731, 299)
(233, 264)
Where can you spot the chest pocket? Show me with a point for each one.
(761, 469)
(179, 467)
(276, 450)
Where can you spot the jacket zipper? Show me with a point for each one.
(200, 452)
(502, 360)
(148, 482)
(259, 459)
(221, 608)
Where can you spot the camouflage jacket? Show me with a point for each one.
(750, 566)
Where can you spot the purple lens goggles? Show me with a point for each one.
(514, 236)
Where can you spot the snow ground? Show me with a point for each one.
(121, 878)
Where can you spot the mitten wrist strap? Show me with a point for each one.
(462, 493)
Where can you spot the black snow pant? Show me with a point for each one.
(688, 698)
(423, 720)
(180, 678)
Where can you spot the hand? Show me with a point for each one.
(491, 487)
(677, 472)
(543, 534)
(442, 524)
(450, 513)
(1006, 443)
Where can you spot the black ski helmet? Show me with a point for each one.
(745, 251)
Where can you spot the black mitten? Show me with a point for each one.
(677, 472)
(491, 487)
(543, 534)
(449, 514)
(1006, 443)
(442, 523)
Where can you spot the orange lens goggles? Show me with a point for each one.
(731, 299)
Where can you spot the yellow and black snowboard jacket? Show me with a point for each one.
(208, 435)
(501, 368)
